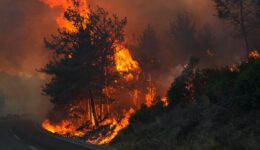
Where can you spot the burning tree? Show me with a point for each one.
(83, 61)
(91, 70)
(96, 85)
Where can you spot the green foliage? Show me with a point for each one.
(247, 86)
(83, 60)
(178, 92)
(220, 86)
(146, 114)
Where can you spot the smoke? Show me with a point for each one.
(155, 12)
(22, 28)
(24, 24)
(159, 14)
(22, 95)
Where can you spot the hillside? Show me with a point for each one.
(209, 109)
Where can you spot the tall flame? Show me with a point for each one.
(62, 22)
(125, 64)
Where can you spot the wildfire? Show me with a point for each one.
(135, 95)
(233, 68)
(165, 101)
(63, 128)
(67, 128)
(255, 54)
(125, 64)
(149, 96)
(81, 7)
(118, 126)
(129, 70)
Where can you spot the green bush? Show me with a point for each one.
(220, 86)
(247, 86)
(178, 92)
(146, 114)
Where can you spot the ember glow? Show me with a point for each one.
(165, 101)
(150, 95)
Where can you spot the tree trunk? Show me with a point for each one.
(243, 28)
(108, 112)
(101, 107)
(93, 108)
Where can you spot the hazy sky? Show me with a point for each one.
(24, 24)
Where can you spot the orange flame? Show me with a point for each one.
(165, 101)
(149, 96)
(118, 126)
(125, 64)
(151, 92)
(255, 54)
(63, 128)
(233, 68)
(62, 22)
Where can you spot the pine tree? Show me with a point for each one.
(83, 61)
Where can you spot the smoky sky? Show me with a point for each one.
(24, 24)
(155, 12)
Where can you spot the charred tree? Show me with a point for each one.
(93, 108)
(148, 51)
(183, 30)
(242, 24)
(242, 14)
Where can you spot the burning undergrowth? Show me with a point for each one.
(96, 84)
